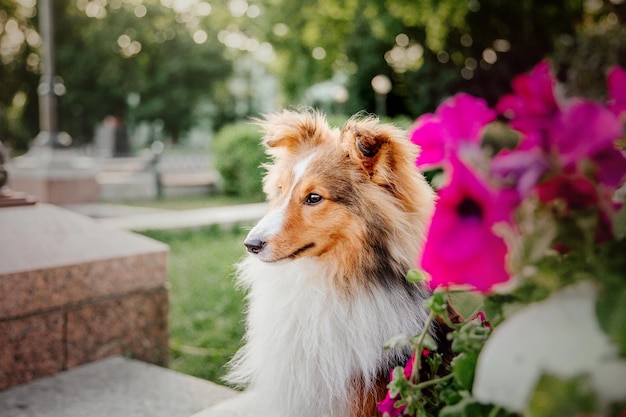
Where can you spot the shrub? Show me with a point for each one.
(239, 155)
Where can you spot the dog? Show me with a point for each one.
(326, 266)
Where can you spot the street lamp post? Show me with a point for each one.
(50, 170)
(50, 86)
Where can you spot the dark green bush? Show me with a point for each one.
(239, 155)
(583, 62)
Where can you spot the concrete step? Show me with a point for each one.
(113, 387)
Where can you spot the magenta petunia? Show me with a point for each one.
(387, 406)
(532, 105)
(520, 168)
(616, 83)
(457, 121)
(461, 246)
(579, 193)
(586, 131)
(576, 191)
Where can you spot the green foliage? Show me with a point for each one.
(105, 57)
(357, 35)
(583, 60)
(556, 397)
(172, 74)
(239, 156)
(611, 311)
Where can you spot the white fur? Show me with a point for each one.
(306, 340)
(300, 168)
(270, 224)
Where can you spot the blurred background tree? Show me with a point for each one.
(176, 62)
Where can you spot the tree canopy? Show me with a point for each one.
(157, 60)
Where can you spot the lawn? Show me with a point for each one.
(206, 311)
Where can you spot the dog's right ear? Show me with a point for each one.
(286, 132)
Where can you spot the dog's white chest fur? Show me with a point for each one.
(306, 341)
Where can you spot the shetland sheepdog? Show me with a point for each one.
(325, 273)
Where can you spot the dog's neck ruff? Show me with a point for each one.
(307, 342)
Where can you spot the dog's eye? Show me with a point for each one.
(313, 199)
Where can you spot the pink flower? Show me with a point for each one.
(458, 120)
(387, 406)
(461, 247)
(532, 105)
(579, 138)
(521, 169)
(584, 132)
(616, 82)
(577, 192)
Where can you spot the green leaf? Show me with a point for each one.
(437, 303)
(398, 341)
(492, 306)
(470, 337)
(467, 407)
(554, 397)
(611, 311)
(415, 275)
(470, 407)
(464, 367)
(428, 342)
(399, 384)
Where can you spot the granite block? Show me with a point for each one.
(73, 291)
(44, 236)
(135, 326)
(30, 348)
(53, 257)
(46, 289)
(58, 190)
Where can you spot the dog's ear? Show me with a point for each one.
(287, 131)
(381, 150)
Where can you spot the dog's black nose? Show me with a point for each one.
(254, 246)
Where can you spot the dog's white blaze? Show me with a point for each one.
(272, 222)
(300, 169)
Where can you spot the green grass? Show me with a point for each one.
(206, 311)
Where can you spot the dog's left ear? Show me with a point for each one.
(286, 132)
(380, 150)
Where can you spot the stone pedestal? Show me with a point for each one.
(73, 291)
(56, 176)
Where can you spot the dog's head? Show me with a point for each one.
(332, 191)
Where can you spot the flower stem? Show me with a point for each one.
(420, 343)
(435, 381)
(494, 412)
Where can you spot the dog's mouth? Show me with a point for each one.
(301, 250)
(293, 255)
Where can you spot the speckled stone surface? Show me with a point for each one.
(132, 325)
(45, 236)
(30, 348)
(113, 387)
(43, 289)
(73, 290)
